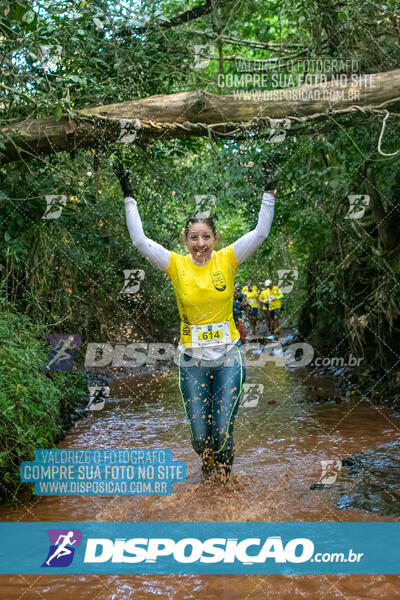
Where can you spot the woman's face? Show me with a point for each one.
(200, 242)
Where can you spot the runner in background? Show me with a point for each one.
(272, 297)
(251, 293)
(263, 303)
(239, 300)
(242, 297)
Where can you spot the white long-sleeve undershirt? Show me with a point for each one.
(154, 252)
(159, 256)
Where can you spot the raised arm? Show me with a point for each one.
(246, 245)
(154, 252)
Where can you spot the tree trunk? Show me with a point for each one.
(196, 113)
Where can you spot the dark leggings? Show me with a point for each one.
(210, 392)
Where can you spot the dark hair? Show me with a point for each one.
(206, 220)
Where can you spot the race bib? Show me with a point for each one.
(210, 334)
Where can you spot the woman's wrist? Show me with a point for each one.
(269, 197)
(124, 179)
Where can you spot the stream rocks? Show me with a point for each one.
(374, 477)
(369, 481)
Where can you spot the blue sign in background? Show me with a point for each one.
(25, 546)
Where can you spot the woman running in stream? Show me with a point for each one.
(211, 363)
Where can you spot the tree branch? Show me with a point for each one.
(182, 17)
(198, 113)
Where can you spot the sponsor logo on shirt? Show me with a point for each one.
(219, 281)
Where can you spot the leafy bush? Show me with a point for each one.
(29, 401)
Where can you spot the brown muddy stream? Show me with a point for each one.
(279, 446)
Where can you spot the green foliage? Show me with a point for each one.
(30, 402)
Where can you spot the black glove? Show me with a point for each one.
(124, 179)
(269, 171)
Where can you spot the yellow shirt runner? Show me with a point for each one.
(204, 295)
(251, 295)
(274, 292)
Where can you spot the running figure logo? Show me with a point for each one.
(61, 551)
(62, 346)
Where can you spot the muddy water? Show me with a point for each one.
(279, 446)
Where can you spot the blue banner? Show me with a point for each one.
(184, 548)
(103, 472)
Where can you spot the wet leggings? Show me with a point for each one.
(210, 392)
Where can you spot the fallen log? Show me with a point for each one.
(199, 113)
